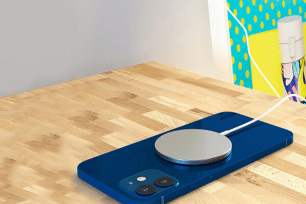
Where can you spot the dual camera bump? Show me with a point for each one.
(148, 189)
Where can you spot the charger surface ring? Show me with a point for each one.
(193, 147)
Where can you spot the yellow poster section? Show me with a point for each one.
(265, 51)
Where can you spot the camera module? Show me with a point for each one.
(164, 181)
(145, 190)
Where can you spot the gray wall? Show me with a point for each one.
(45, 42)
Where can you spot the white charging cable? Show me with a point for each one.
(254, 120)
(247, 39)
(266, 113)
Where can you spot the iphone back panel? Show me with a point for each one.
(131, 174)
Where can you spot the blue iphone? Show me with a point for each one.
(136, 174)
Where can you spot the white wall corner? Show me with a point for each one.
(220, 39)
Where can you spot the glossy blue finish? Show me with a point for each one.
(249, 144)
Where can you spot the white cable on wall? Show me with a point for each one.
(247, 38)
(285, 98)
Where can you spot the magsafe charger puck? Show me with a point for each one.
(193, 147)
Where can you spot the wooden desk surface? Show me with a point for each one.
(47, 132)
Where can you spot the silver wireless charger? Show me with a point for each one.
(193, 147)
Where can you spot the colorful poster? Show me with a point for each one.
(293, 77)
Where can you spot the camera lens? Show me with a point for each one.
(164, 181)
(145, 190)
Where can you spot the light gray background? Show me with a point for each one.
(45, 42)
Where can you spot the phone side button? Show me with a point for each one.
(162, 199)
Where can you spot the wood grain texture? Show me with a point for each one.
(47, 132)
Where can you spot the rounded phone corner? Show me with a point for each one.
(290, 140)
(82, 166)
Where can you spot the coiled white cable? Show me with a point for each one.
(254, 120)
